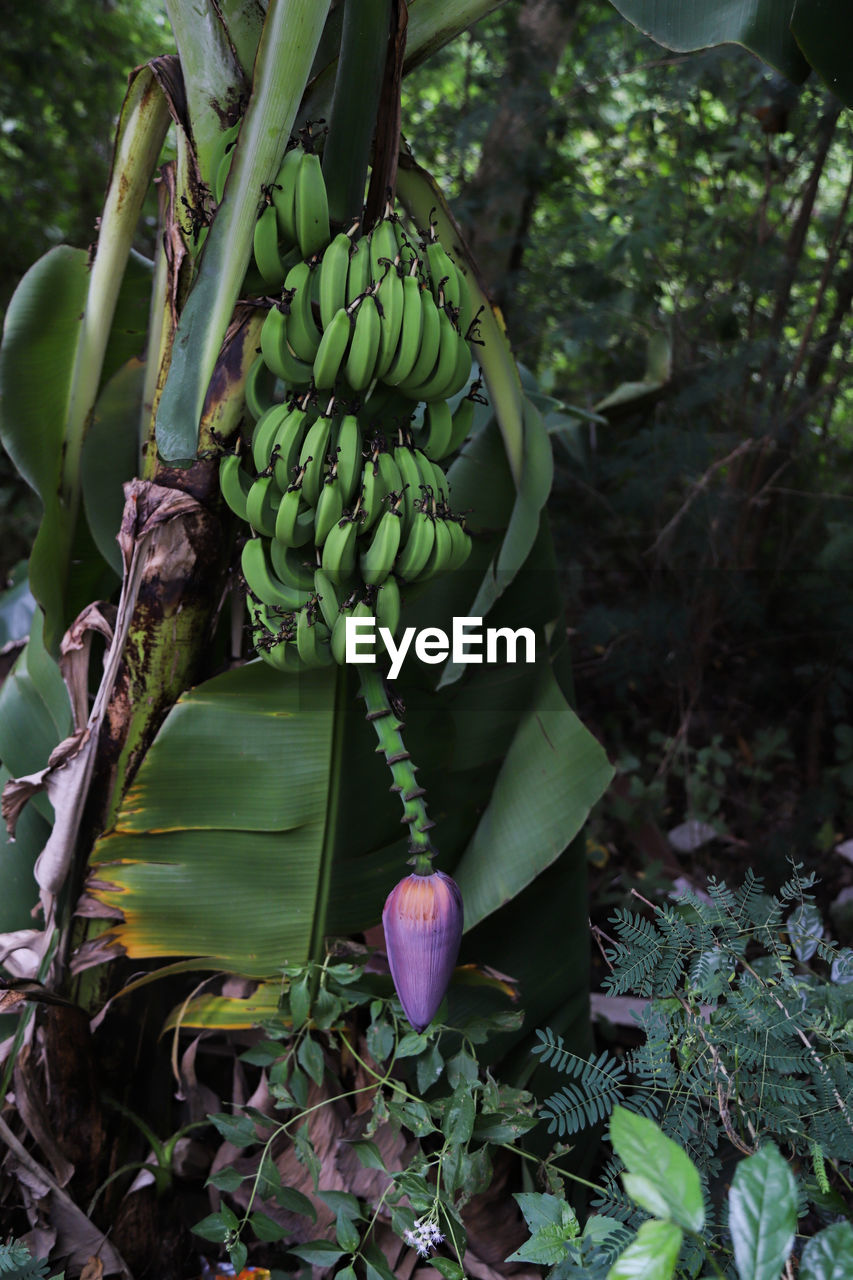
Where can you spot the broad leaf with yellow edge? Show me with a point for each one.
(218, 849)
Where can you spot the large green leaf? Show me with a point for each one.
(824, 32)
(218, 848)
(763, 26)
(553, 773)
(37, 364)
(762, 1214)
(59, 338)
(16, 607)
(111, 457)
(17, 859)
(35, 712)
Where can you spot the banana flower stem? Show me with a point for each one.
(382, 715)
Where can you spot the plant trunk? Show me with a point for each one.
(502, 195)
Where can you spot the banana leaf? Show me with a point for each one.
(762, 26)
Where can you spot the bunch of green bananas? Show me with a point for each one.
(341, 515)
(346, 498)
(371, 310)
(294, 221)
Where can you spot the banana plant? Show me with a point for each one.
(188, 804)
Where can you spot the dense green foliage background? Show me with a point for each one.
(681, 225)
(65, 70)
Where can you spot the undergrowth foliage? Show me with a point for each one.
(17, 1263)
(746, 1021)
(429, 1085)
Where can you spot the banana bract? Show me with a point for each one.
(422, 919)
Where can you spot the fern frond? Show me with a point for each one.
(614, 1203)
(575, 1106)
(631, 968)
(16, 1262)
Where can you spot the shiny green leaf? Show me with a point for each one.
(762, 1214)
(651, 1255)
(660, 1176)
(829, 1254)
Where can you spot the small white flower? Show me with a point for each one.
(424, 1237)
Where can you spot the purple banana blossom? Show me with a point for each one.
(422, 920)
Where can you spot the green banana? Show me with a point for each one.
(426, 472)
(417, 548)
(263, 437)
(221, 160)
(265, 242)
(327, 597)
(373, 493)
(311, 206)
(377, 561)
(411, 332)
(438, 428)
(383, 246)
(294, 524)
(463, 422)
(441, 485)
(312, 639)
(461, 371)
(334, 269)
(276, 650)
(442, 551)
(461, 544)
(331, 351)
(364, 345)
(358, 272)
(277, 353)
(338, 555)
(412, 480)
(446, 363)
(329, 509)
(390, 473)
(444, 276)
(448, 283)
(348, 453)
(389, 302)
(312, 458)
(262, 502)
(235, 483)
(288, 441)
(291, 567)
(260, 388)
(406, 251)
(263, 583)
(430, 342)
(339, 629)
(387, 605)
(284, 195)
(302, 332)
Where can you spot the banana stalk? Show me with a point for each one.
(388, 726)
